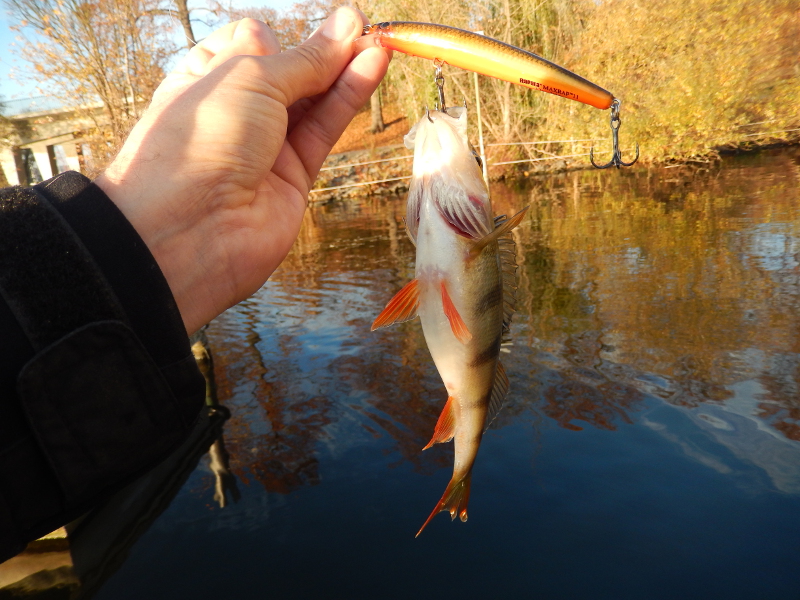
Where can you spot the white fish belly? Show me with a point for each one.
(442, 257)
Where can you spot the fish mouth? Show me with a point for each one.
(454, 112)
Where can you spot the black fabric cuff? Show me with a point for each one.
(125, 262)
(97, 380)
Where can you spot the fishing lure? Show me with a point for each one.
(487, 56)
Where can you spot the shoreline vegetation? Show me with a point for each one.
(698, 79)
(353, 164)
(354, 181)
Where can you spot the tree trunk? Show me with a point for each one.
(377, 113)
(183, 17)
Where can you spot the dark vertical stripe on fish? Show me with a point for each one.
(488, 354)
(491, 299)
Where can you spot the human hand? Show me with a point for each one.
(215, 176)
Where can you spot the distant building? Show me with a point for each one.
(46, 138)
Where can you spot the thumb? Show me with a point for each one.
(313, 66)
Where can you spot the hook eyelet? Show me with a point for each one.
(616, 155)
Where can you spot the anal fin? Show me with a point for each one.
(403, 307)
(445, 426)
(456, 322)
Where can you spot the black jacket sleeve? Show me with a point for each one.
(97, 380)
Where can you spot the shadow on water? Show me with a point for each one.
(649, 447)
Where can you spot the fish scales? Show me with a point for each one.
(461, 291)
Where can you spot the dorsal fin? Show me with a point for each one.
(498, 396)
(507, 248)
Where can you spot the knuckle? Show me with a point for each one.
(313, 56)
(348, 94)
(320, 130)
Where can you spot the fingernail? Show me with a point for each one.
(339, 25)
(313, 32)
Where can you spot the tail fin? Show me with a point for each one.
(454, 500)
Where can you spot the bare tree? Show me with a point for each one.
(186, 22)
(291, 26)
(376, 112)
(111, 52)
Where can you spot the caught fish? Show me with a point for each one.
(486, 56)
(463, 289)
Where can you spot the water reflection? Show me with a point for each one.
(670, 284)
(651, 429)
(654, 406)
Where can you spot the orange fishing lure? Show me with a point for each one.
(485, 56)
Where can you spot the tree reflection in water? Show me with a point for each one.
(668, 284)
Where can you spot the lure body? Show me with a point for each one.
(486, 56)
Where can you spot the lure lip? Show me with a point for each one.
(486, 56)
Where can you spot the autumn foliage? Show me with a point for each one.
(109, 53)
(695, 77)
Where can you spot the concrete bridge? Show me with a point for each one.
(46, 139)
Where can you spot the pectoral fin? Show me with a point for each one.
(478, 247)
(456, 322)
(403, 307)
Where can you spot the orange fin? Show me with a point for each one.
(445, 426)
(501, 230)
(456, 322)
(454, 500)
(403, 307)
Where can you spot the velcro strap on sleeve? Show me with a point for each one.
(101, 408)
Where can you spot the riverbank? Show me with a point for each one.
(365, 164)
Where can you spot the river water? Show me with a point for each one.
(649, 447)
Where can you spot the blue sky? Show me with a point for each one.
(11, 89)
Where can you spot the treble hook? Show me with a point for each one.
(438, 79)
(616, 157)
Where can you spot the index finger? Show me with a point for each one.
(244, 37)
